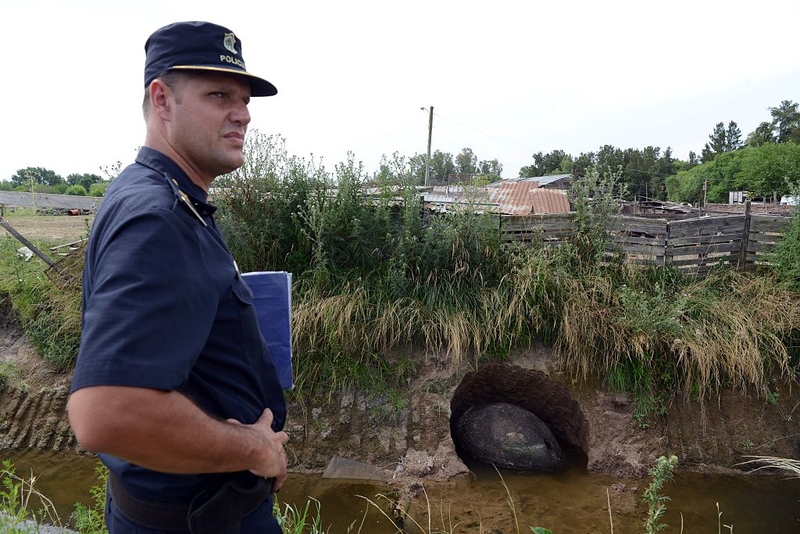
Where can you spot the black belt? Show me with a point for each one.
(217, 512)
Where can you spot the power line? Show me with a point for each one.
(387, 136)
(484, 133)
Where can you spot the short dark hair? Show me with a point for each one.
(172, 78)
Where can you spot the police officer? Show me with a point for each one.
(173, 384)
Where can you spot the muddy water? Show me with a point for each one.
(571, 502)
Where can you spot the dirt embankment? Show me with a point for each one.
(411, 437)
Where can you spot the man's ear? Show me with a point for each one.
(160, 98)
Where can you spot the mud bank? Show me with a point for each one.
(410, 436)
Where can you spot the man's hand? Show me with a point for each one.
(167, 432)
(274, 462)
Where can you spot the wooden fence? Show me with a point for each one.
(692, 245)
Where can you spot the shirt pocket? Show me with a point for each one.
(252, 342)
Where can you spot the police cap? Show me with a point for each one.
(199, 46)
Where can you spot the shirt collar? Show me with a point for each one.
(153, 159)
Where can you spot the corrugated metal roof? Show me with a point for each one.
(542, 180)
(506, 198)
(513, 198)
(550, 201)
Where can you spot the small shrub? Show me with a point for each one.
(18, 496)
(786, 256)
(656, 502)
(91, 519)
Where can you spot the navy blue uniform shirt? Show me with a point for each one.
(164, 307)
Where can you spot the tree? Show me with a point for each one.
(583, 163)
(722, 140)
(544, 164)
(764, 170)
(771, 168)
(642, 171)
(442, 166)
(36, 175)
(467, 162)
(610, 158)
(733, 137)
(492, 169)
(84, 180)
(761, 135)
(717, 143)
(786, 121)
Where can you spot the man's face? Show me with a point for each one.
(208, 122)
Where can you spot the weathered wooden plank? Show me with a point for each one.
(682, 264)
(659, 241)
(652, 252)
(766, 240)
(703, 250)
(532, 237)
(706, 226)
(771, 219)
(549, 225)
(770, 231)
(762, 248)
(654, 227)
(704, 240)
(541, 230)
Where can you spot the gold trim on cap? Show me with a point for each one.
(218, 69)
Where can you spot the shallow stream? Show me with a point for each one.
(570, 502)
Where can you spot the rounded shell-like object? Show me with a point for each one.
(508, 436)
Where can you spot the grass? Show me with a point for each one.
(47, 304)
(21, 505)
(788, 465)
(91, 519)
(296, 520)
(654, 331)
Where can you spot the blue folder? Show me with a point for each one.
(272, 298)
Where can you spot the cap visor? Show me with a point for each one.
(258, 86)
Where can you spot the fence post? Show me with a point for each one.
(742, 265)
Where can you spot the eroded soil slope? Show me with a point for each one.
(412, 440)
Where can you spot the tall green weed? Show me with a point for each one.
(47, 304)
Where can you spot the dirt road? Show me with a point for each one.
(49, 229)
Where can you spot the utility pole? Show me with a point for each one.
(430, 133)
(705, 195)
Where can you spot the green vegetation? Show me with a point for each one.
(296, 520)
(21, 505)
(376, 279)
(787, 253)
(372, 276)
(655, 500)
(46, 303)
(91, 519)
(41, 180)
(763, 171)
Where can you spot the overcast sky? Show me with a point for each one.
(506, 78)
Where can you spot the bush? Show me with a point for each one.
(98, 189)
(77, 190)
(786, 257)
